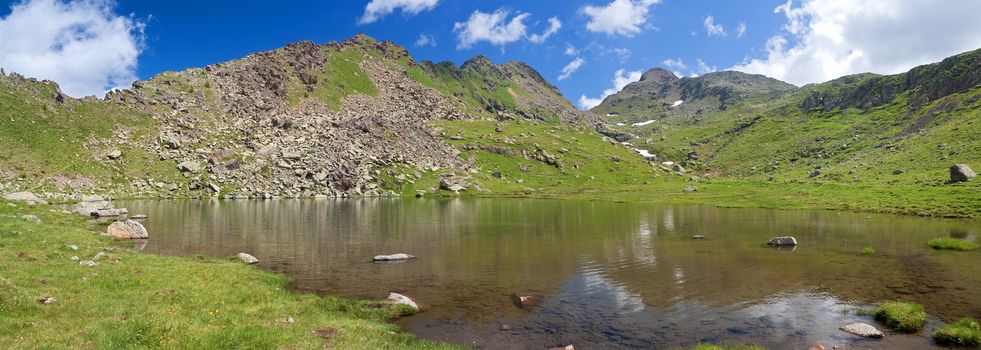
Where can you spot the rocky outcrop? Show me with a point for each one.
(28, 197)
(128, 229)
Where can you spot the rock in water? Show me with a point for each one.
(567, 347)
(781, 241)
(961, 173)
(248, 258)
(29, 197)
(697, 237)
(524, 301)
(863, 330)
(404, 300)
(393, 257)
(128, 229)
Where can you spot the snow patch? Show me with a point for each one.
(645, 153)
(649, 122)
(677, 103)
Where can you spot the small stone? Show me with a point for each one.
(567, 347)
(690, 188)
(47, 299)
(505, 327)
(189, 166)
(74, 258)
(897, 171)
(88, 263)
(114, 154)
(72, 247)
(862, 330)
(248, 258)
(524, 301)
(98, 256)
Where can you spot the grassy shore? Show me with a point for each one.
(132, 299)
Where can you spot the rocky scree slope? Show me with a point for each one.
(337, 119)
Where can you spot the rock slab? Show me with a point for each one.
(248, 258)
(393, 257)
(862, 330)
(129, 229)
(28, 197)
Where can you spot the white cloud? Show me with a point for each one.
(376, 9)
(702, 68)
(81, 45)
(553, 27)
(496, 29)
(713, 29)
(741, 30)
(622, 53)
(571, 50)
(620, 79)
(832, 38)
(425, 40)
(675, 64)
(572, 67)
(621, 17)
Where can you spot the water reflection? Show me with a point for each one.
(612, 274)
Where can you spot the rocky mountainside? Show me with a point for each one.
(335, 119)
(659, 94)
(900, 130)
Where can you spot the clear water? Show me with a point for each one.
(609, 275)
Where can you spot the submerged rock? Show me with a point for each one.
(697, 237)
(393, 257)
(961, 173)
(128, 229)
(248, 258)
(782, 241)
(862, 330)
(404, 300)
(524, 301)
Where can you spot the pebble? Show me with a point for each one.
(88, 263)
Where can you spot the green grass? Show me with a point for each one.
(950, 243)
(902, 316)
(138, 300)
(867, 251)
(964, 332)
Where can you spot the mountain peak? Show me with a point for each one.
(659, 75)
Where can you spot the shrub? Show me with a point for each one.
(965, 332)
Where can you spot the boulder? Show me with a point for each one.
(524, 301)
(961, 173)
(129, 229)
(393, 257)
(31, 218)
(690, 188)
(678, 168)
(404, 300)
(114, 154)
(248, 258)
(29, 197)
(87, 263)
(450, 183)
(782, 241)
(189, 166)
(862, 330)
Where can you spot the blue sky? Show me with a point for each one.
(790, 41)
